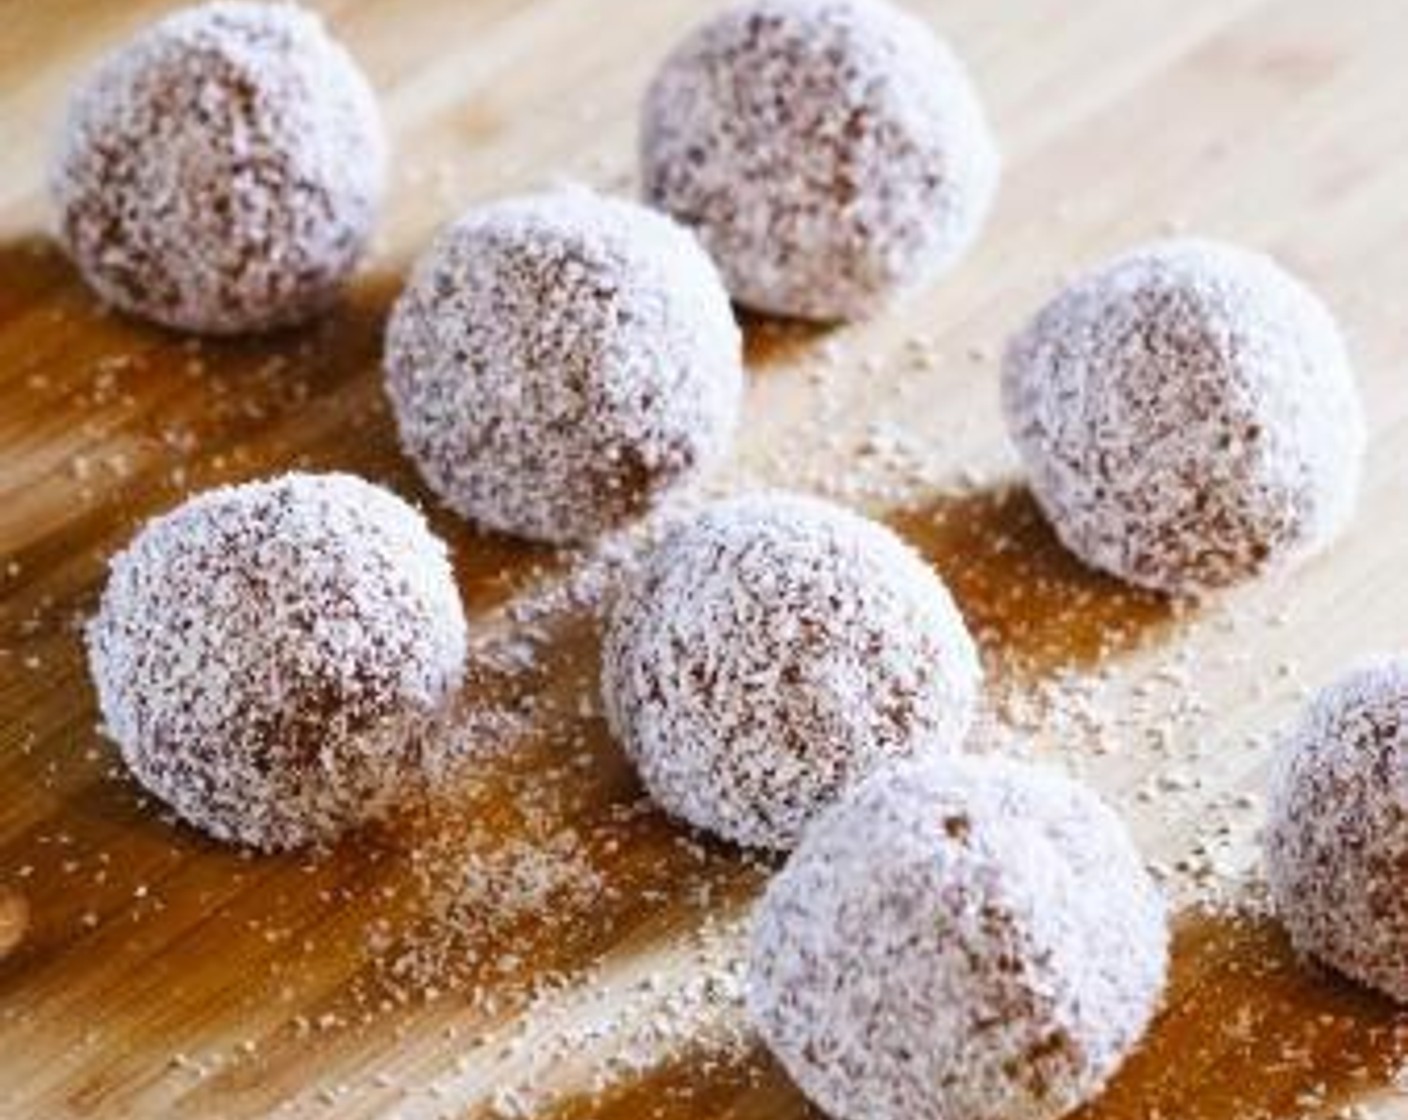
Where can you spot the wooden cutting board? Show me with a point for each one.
(150, 973)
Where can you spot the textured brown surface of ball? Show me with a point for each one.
(560, 361)
(771, 653)
(1337, 829)
(221, 172)
(958, 939)
(830, 153)
(1187, 416)
(267, 655)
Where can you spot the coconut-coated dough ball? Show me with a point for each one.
(560, 361)
(267, 656)
(1337, 830)
(771, 653)
(221, 172)
(960, 938)
(830, 153)
(1187, 416)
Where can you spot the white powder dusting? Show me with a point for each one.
(221, 172)
(558, 361)
(829, 152)
(772, 652)
(1188, 416)
(960, 939)
(265, 655)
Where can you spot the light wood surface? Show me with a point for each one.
(149, 973)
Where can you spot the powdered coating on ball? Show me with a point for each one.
(221, 172)
(559, 361)
(1337, 828)
(958, 939)
(1187, 416)
(774, 651)
(830, 153)
(267, 655)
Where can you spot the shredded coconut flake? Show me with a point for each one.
(959, 939)
(1188, 416)
(221, 172)
(773, 651)
(829, 152)
(1337, 834)
(266, 655)
(558, 361)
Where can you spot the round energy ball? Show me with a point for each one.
(830, 153)
(1337, 829)
(267, 656)
(1187, 416)
(958, 939)
(771, 653)
(559, 361)
(221, 172)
